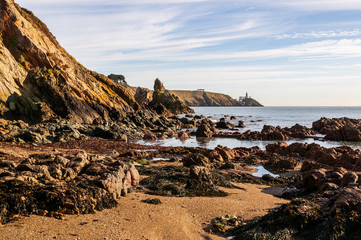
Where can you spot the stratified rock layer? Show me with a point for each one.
(40, 81)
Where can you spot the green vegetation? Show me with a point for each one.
(118, 78)
(139, 161)
(20, 65)
(13, 42)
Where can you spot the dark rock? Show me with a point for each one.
(183, 136)
(155, 201)
(224, 124)
(241, 124)
(163, 99)
(196, 159)
(201, 173)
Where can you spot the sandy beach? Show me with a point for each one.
(175, 218)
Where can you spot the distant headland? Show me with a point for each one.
(201, 97)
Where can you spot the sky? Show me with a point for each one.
(283, 53)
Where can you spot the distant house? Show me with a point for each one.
(200, 90)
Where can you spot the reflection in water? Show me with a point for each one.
(233, 143)
(262, 171)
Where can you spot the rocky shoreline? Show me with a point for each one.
(66, 168)
(67, 148)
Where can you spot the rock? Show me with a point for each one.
(150, 136)
(281, 164)
(196, 159)
(201, 173)
(110, 132)
(183, 136)
(143, 96)
(349, 178)
(224, 124)
(154, 201)
(345, 133)
(206, 129)
(277, 147)
(40, 81)
(314, 179)
(30, 136)
(215, 156)
(226, 153)
(317, 218)
(164, 101)
(241, 124)
(339, 129)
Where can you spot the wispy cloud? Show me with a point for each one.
(253, 44)
(322, 34)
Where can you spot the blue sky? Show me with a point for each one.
(282, 52)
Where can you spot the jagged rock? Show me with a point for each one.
(70, 184)
(196, 159)
(143, 96)
(150, 136)
(241, 124)
(40, 81)
(224, 124)
(183, 136)
(349, 178)
(332, 215)
(314, 179)
(30, 136)
(163, 100)
(201, 173)
(206, 129)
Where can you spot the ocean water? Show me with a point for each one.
(256, 117)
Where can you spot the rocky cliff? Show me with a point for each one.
(40, 81)
(202, 98)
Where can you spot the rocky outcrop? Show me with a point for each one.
(143, 96)
(278, 133)
(40, 81)
(339, 129)
(330, 215)
(59, 184)
(206, 129)
(333, 157)
(164, 101)
(224, 124)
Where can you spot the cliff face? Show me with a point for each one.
(201, 98)
(40, 81)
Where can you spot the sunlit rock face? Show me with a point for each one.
(40, 81)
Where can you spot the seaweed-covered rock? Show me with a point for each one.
(333, 215)
(64, 184)
(176, 181)
(196, 159)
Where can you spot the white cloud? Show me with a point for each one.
(321, 34)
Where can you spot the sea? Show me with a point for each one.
(256, 117)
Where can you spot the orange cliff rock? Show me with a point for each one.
(40, 81)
